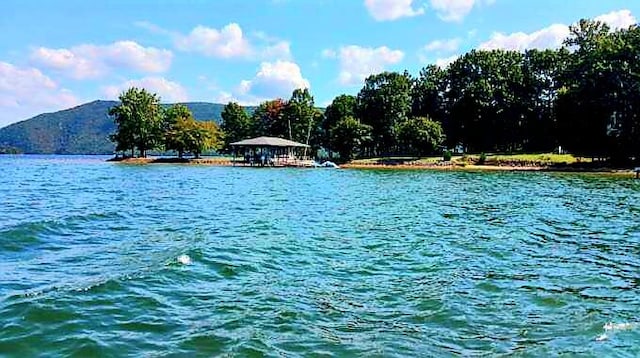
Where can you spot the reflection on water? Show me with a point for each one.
(111, 259)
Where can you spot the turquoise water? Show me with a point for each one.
(105, 259)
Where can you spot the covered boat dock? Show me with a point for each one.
(270, 151)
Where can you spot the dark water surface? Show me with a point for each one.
(314, 262)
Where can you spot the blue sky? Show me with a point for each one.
(57, 54)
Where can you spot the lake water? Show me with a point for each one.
(109, 259)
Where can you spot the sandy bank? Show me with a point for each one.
(217, 161)
(199, 161)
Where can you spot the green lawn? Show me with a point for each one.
(534, 159)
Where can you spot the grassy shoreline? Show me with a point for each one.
(533, 162)
(495, 168)
(546, 162)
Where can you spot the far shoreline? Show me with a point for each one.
(440, 167)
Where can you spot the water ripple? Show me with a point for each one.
(314, 262)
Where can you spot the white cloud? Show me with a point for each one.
(228, 42)
(444, 62)
(279, 50)
(447, 10)
(438, 49)
(153, 28)
(387, 10)
(329, 53)
(168, 91)
(456, 10)
(226, 97)
(449, 45)
(551, 36)
(92, 61)
(277, 79)
(357, 63)
(621, 19)
(26, 92)
(272, 80)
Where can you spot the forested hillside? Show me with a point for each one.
(80, 130)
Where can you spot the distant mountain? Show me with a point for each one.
(84, 129)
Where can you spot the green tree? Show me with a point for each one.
(188, 135)
(542, 70)
(173, 113)
(341, 107)
(427, 93)
(484, 106)
(207, 136)
(584, 106)
(268, 119)
(138, 120)
(300, 116)
(624, 48)
(383, 102)
(178, 119)
(179, 136)
(598, 103)
(236, 123)
(350, 137)
(420, 135)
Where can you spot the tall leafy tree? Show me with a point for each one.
(236, 123)
(268, 119)
(350, 137)
(178, 120)
(420, 135)
(598, 104)
(138, 120)
(188, 135)
(180, 136)
(207, 136)
(383, 102)
(624, 49)
(341, 107)
(542, 70)
(586, 114)
(427, 93)
(483, 99)
(300, 116)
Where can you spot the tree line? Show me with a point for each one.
(584, 97)
(142, 124)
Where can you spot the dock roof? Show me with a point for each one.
(268, 142)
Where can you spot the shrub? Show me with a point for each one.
(446, 155)
(482, 159)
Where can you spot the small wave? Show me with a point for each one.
(20, 236)
(83, 286)
(184, 259)
(624, 326)
(136, 264)
(611, 327)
